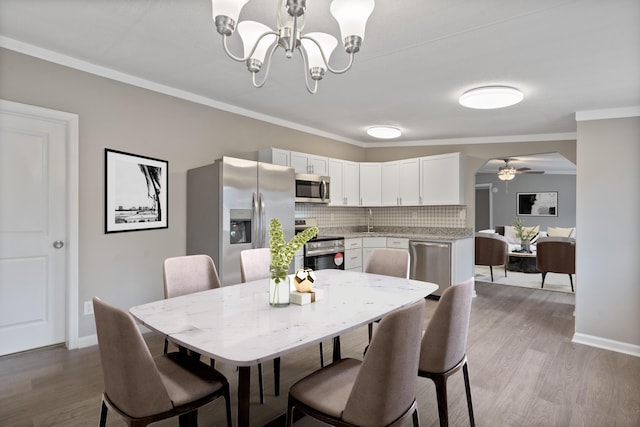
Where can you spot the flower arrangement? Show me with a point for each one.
(522, 232)
(282, 253)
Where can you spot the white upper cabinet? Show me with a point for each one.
(309, 163)
(401, 182)
(345, 183)
(275, 156)
(370, 182)
(440, 180)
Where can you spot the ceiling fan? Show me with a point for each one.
(508, 172)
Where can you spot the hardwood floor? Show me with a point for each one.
(523, 367)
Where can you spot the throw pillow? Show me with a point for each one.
(510, 235)
(559, 232)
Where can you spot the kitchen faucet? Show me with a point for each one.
(369, 226)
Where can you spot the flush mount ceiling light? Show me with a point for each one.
(384, 132)
(491, 97)
(260, 41)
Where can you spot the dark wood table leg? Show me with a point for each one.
(244, 389)
(276, 375)
(336, 349)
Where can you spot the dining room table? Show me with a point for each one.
(236, 324)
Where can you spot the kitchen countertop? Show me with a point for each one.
(417, 233)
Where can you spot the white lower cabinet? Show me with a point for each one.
(353, 254)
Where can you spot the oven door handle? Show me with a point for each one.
(323, 251)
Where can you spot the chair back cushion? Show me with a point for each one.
(385, 386)
(255, 264)
(490, 249)
(131, 379)
(389, 262)
(188, 274)
(445, 341)
(556, 255)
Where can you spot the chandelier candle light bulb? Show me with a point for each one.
(260, 42)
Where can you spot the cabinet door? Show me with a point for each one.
(370, 178)
(299, 161)
(351, 183)
(274, 156)
(440, 181)
(318, 165)
(409, 182)
(336, 173)
(390, 183)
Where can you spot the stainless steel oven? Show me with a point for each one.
(322, 252)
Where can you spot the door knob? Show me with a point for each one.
(58, 244)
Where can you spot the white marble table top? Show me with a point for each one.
(236, 324)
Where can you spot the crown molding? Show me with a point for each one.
(109, 73)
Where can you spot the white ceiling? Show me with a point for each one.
(418, 57)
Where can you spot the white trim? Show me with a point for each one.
(612, 113)
(112, 74)
(607, 344)
(87, 341)
(567, 136)
(488, 186)
(71, 121)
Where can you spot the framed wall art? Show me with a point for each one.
(136, 192)
(537, 204)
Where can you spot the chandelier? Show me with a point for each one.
(261, 42)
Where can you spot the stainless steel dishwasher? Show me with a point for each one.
(431, 262)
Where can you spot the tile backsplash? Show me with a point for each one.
(392, 216)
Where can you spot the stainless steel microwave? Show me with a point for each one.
(312, 188)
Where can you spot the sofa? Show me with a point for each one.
(509, 232)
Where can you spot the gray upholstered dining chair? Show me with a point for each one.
(388, 262)
(142, 389)
(377, 391)
(185, 275)
(444, 345)
(556, 255)
(491, 249)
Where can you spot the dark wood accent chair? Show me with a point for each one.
(380, 390)
(444, 344)
(491, 249)
(556, 255)
(143, 389)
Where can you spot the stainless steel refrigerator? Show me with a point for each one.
(229, 206)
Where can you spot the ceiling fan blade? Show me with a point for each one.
(529, 171)
(523, 170)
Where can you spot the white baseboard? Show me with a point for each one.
(607, 344)
(89, 340)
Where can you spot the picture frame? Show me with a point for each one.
(136, 192)
(537, 204)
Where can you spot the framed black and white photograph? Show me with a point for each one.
(136, 189)
(538, 204)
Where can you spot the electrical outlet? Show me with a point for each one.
(88, 308)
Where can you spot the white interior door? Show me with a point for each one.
(33, 234)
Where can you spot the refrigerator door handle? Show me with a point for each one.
(254, 222)
(263, 220)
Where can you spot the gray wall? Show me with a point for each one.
(504, 200)
(608, 292)
(125, 269)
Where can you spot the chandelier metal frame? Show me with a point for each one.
(290, 38)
